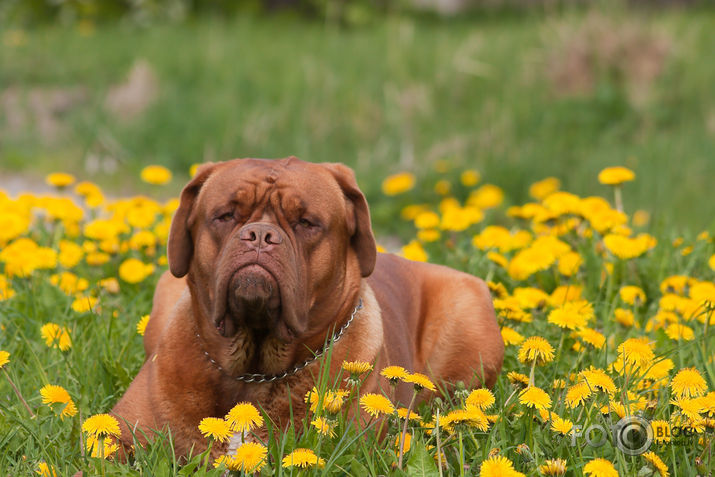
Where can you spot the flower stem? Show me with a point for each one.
(439, 443)
(461, 455)
(404, 430)
(18, 394)
(618, 198)
(531, 373)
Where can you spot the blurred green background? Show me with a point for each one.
(516, 90)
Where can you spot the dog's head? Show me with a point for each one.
(264, 242)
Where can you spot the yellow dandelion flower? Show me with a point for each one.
(481, 398)
(414, 251)
(70, 254)
(429, 235)
(542, 189)
(678, 332)
(5, 291)
(398, 183)
(564, 293)
(688, 383)
(303, 458)
(376, 404)
(56, 336)
(690, 408)
(530, 297)
(624, 317)
(536, 349)
(45, 470)
(471, 416)
(101, 425)
(323, 426)
(427, 219)
(529, 261)
(215, 428)
(52, 394)
(394, 373)
(708, 402)
(402, 413)
(511, 336)
(600, 468)
(657, 463)
(59, 179)
(133, 270)
(632, 295)
(487, 196)
(84, 304)
(4, 358)
(442, 187)
(458, 218)
(250, 457)
(615, 175)
(108, 447)
(331, 401)
(535, 397)
(577, 394)
(498, 466)
(510, 308)
(110, 285)
(420, 381)
(97, 258)
(357, 367)
(157, 175)
(711, 261)
(559, 384)
(553, 467)
(660, 369)
(405, 445)
(244, 417)
(627, 248)
(571, 315)
(598, 379)
(562, 426)
(469, 177)
(637, 352)
(569, 263)
(141, 326)
(517, 379)
(592, 337)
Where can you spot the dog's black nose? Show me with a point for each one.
(260, 235)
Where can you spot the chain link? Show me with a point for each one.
(269, 378)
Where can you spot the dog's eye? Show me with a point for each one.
(224, 217)
(306, 223)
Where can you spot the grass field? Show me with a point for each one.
(602, 321)
(519, 97)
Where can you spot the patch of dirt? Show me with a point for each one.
(626, 51)
(41, 108)
(130, 98)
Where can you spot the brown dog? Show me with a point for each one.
(268, 260)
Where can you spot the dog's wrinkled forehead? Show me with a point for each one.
(289, 185)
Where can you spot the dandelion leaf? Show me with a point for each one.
(420, 462)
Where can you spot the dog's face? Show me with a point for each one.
(266, 242)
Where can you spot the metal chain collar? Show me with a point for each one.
(269, 378)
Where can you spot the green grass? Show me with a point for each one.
(392, 96)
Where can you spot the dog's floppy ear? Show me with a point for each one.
(180, 245)
(361, 237)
